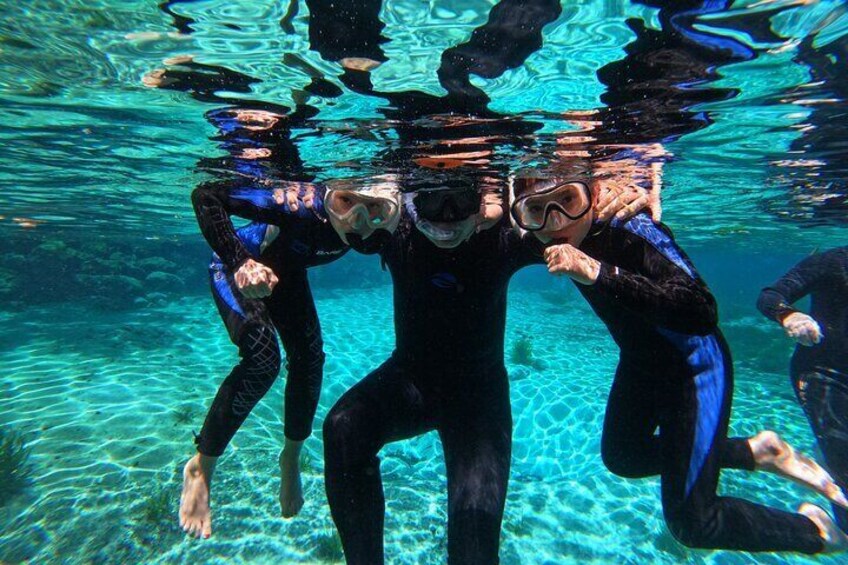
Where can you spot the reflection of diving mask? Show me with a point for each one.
(356, 208)
(446, 205)
(532, 210)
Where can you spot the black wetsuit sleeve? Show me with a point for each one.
(775, 300)
(661, 292)
(215, 203)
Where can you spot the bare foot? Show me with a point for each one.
(195, 514)
(834, 539)
(291, 491)
(774, 455)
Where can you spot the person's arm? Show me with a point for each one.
(775, 301)
(665, 291)
(214, 204)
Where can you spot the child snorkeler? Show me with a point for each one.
(259, 283)
(674, 374)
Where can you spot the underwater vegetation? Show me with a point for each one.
(328, 547)
(157, 507)
(155, 517)
(307, 463)
(15, 466)
(184, 414)
(522, 351)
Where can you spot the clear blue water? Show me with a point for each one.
(111, 348)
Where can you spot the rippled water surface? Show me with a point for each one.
(111, 348)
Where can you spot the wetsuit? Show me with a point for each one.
(675, 373)
(820, 372)
(446, 374)
(288, 247)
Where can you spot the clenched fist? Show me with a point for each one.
(565, 259)
(255, 280)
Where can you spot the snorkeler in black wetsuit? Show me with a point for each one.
(675, 373)
(256, 307)
(446, 374)
(819, 367)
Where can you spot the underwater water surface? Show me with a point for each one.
(111, 348)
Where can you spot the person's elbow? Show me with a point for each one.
(766, 301)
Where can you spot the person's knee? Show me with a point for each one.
(692, 530)
(480, 487)
(305, 363)
(345, 437)
(618, 460)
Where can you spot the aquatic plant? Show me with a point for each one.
(184, 414)
(153, 519)
(328, 547)
(155, 508)
(307, 463)
(15, 467)
(522, 351)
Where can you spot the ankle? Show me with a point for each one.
(203, 465)
(291, 451)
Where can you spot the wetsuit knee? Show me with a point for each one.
(620, 460)
(305, 363)
(695, 530)
(347, 442)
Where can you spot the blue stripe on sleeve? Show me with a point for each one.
(644, 227)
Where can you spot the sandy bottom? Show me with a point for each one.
(108, 404)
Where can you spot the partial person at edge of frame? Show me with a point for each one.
(819, 366)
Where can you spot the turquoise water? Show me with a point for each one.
(111, 348)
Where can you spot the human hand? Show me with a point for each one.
(293, 193)
(802, 328)
(565, 259)
(359, 63)
(636, 181)
(621, 189)
(255, 280)
(491, 209)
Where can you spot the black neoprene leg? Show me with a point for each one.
(824, 398)
(292, 310)
(630, 446)
(249, 325)
(693, 427)
(476, 432)
(385, 406)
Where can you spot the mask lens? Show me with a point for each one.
(344, 205)
(447, 205)
(571, 199)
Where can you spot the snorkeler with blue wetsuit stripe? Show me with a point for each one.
(258, 277)
(674, 374)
